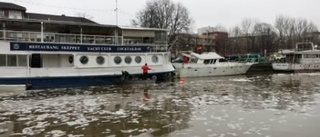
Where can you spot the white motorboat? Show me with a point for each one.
(209, 64)
(304, 58)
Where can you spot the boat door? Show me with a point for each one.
(36, 61)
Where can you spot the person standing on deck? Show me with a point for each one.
(145, 69)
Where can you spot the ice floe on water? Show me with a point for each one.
(235, 106)
(241, 80)
(55, 133)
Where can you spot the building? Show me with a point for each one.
(207, 39)
(191, 42)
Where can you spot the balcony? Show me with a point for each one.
(62, 38)
(27, 36)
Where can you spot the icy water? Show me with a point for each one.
(275, 105)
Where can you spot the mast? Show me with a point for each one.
(116, 12)
(116, 30)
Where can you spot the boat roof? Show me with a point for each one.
(62, 18)
(142, 28)
(55, 22)
(310, 52)
(301, 52)
(207, 55)
(11, 6)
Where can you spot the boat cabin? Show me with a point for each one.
(304, 53)
(205, 58)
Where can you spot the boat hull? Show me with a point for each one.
(68, 81)
(187, 70)
(295, 68)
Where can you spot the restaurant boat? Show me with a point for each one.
(49, 51)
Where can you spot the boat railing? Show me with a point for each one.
(302, 46)
(28, 36)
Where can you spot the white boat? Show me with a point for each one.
(304, 58)
(45, 53)
(209, 64)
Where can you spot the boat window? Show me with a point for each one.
(223, 60)
(299, 56)
(84, 59)
(193, 60)
(100, 60)
(70, 59)
(155, 59)
(12, 60)
(310, 56)
(22, 60)
(3, 60)
(207, 61)
(128, 59)
(138, 59)
(117, 60)
(213, 61)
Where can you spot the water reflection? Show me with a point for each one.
(219, 106)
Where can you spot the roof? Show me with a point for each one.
(11, 6)
(57, 22)
(207, 55)
(64, 18)
(142, 28)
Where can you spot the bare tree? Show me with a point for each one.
(303, 27)
(292, 30)
(262, 28)
(264, 37)
(247, 26)
(164, 14)
(285, 26)
(234, 42)
(254, 36)
(235, 32)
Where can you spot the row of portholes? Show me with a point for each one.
(100, 60)
(137, 59)
(127, 59)
(85, 60)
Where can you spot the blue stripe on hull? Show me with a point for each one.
(59, 82)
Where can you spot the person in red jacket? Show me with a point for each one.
(145, 69)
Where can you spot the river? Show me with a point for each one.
(268, 105)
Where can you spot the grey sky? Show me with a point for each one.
(204, 12)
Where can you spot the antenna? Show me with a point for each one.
(116, 30)
(116, 12)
